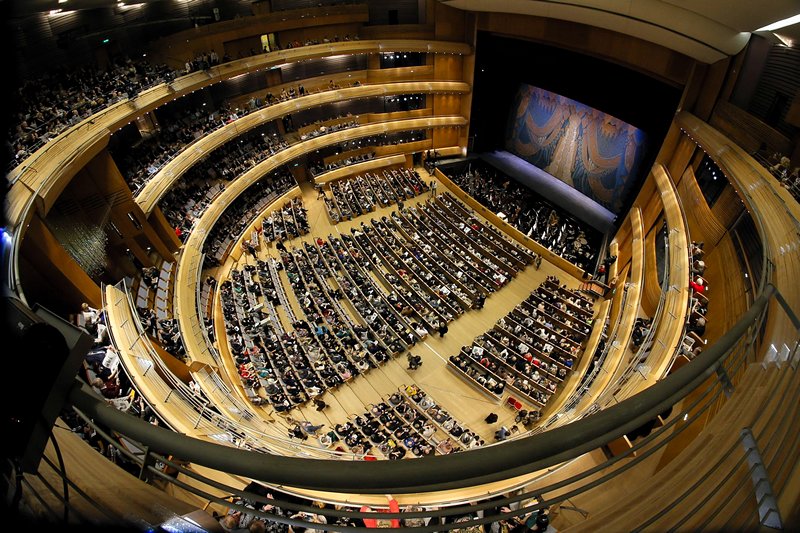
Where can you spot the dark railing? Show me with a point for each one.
(539, 452)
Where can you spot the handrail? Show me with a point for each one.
(438, 473)
(610, 392)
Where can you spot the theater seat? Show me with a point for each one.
(512, 402)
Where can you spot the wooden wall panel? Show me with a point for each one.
(67, 285)
(445, 136)
(681, 156)
(777, 86)
(651, 292)
(728, 207)
(623, 242)
(318, 33)
(386, 75)
(446, 104)
(748, 131)
(727, 295)
(448, 67)
(450, 22)
(649, 201)
(710, 87)
(103, 176)
(468, 74)
(703, 225)
(644, 56)
(176, 48)
(398, 31)
(163, 229)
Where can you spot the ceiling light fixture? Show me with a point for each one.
(781, 23)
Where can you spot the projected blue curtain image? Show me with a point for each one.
(592, 151)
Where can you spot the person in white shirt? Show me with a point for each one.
(90, 315)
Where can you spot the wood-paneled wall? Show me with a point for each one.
(63, 283)
(703, 225)
(728, 207)
(748, 131)
(644, 56)
(178, 47)
(651, 292)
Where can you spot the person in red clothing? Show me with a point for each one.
(697, 284)
(381, 522)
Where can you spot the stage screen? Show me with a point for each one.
(592, 151)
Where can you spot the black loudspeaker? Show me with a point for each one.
(43, 355)
(394, 16)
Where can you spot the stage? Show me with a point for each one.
(552, 189)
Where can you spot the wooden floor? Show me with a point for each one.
(106, 492)
(461, 399)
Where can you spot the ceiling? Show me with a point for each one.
(707, 30)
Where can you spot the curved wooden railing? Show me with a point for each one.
(191, 260)
(776, 213)
(670, 327)
(46, 172)
(161, 183)
(625, 305)
(220, 417)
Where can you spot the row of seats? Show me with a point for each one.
(408, 423)
(352, 197)
(59, 99)
(269, 358)
(178, 130)
(324, 129)
(188, 197)
(486, 233)
(532, 348)
(155, 287)
(335, 347)
(244, 209)
(288, 222)
(322, 273)
(143, 159)
(555, 229)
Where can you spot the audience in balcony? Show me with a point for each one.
(55, 101)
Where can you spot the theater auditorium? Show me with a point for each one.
(427, 265)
